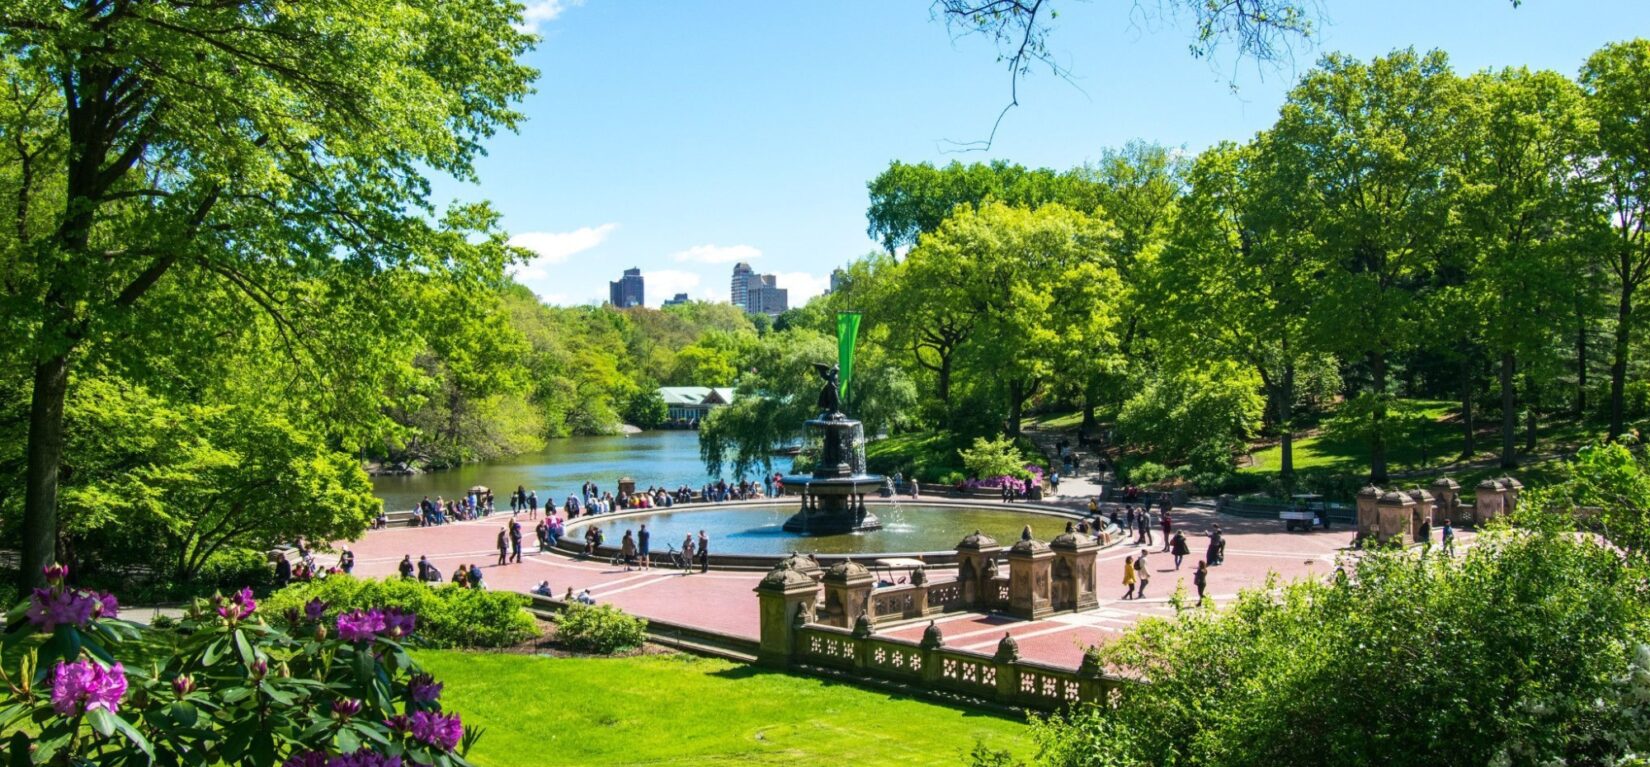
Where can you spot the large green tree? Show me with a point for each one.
(1616, 82)
(254, 144)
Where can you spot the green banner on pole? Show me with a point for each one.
(847, 328)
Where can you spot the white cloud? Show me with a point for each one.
(538, 12)
(555, 247)
(718, 254)
(801, 286)
(663, 284)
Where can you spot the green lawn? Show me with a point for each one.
(682, 709)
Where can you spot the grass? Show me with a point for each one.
(681, 709)
(926, 455)
(1054, 421)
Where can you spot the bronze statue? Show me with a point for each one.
(830, 398)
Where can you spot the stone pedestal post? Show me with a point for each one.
(1073, 572)
(783, 595)
(806, 564)
(974, 553)
(1510, 488)
(1368, 517)
(1395, 511)
(1030, 585)
(1446, 495)
(847, 593)
(1489, 502)
(1420, 519)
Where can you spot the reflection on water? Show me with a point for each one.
(664, 458)
(758, 529)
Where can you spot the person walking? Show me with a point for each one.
(643, 537)
(1178, 547)
(1215, 542)
(1163, 521)
(704, 552)
(1200, 579)
(1054, 483)
(1128, 577)
(1449, 539)
(503, 546)
(687, 554)
(1146, 526)
(627, 550)
(283, 571)
(532, 504)
(1141, 573)
(515, 541)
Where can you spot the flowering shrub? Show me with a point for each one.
(223, 687)
(997, 483)
(603, 629)
(448, 615)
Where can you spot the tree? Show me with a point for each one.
(1351, 662)
(909, 200)
(255, 145)
(1370, 142)
(1615, 81)
(1608, 484)
(1519, 136)
(1238, 281)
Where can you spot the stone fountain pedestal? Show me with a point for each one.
(833, 497)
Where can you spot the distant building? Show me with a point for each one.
(681, 298)
(739, 289)
(689, 405)
(839, 278)
(627, 291)
(757, 293)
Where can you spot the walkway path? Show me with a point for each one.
(722, 600)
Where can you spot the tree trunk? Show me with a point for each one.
(1509, 412)
(1581, 364)
(1377, 434)
(1015, 410)
(1530, 427)
(45, 457)
(1469, 443)
(1286, 431)
(1618, 368)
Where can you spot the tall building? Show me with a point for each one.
(839, 278)
(739, 290)
(627, 291)
(681, 298)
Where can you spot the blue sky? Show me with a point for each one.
(682, 136)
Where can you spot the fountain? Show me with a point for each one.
(833, 497)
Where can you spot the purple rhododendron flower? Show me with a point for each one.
(360, 626)
(50, 608)
(83, 685)
(423, 688)
(443, 731)
(314, 609)
(365, 758)
(308, 759)
(55, 574)
(240, 607)
(398, 624)
(346, 707)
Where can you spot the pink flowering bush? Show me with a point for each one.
(223, 687)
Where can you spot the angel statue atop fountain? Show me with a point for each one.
(830, 398)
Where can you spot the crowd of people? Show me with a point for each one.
(590, 500)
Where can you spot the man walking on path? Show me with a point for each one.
(1167, 526)
(704, 552)
(515, 541)
(642, 538)
(1449, 539)
(1141, 574)
(532, 504)
(503, 546)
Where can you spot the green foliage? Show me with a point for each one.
(449, 615)
(1147, 473)
(1608, 485)
(221, 687)
(647, 410)
(1201, 415)
(927, 456)
(1348, 663)
(599, 629)
(989, 458)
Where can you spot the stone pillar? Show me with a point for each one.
(847, 593)
(1030, 585)
(1446, 494)
(1394, 510)
(1368, 517)
(930, 644)
(1008, 674)
(783, 596)
(1488, 503)
(919, 581)
(627, 486)
(1074, 571)
(1510, 488)
(1420, 518)
(805, 564)
(973, 554)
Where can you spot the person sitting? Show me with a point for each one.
(461, 577)
(475, 578)
(590, 540)
(584, 598)
(543, 589)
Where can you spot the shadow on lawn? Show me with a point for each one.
(965, 706)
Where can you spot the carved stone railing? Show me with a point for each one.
(1001, 678)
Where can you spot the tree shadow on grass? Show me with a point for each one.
(964, 705)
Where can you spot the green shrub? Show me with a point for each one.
(449, 615)
(229, 570)
(1147, 472)
(953, 478)
(991, 458)
(603, 629)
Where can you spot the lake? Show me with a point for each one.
(665, 458)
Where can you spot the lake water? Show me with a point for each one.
(664, 458)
